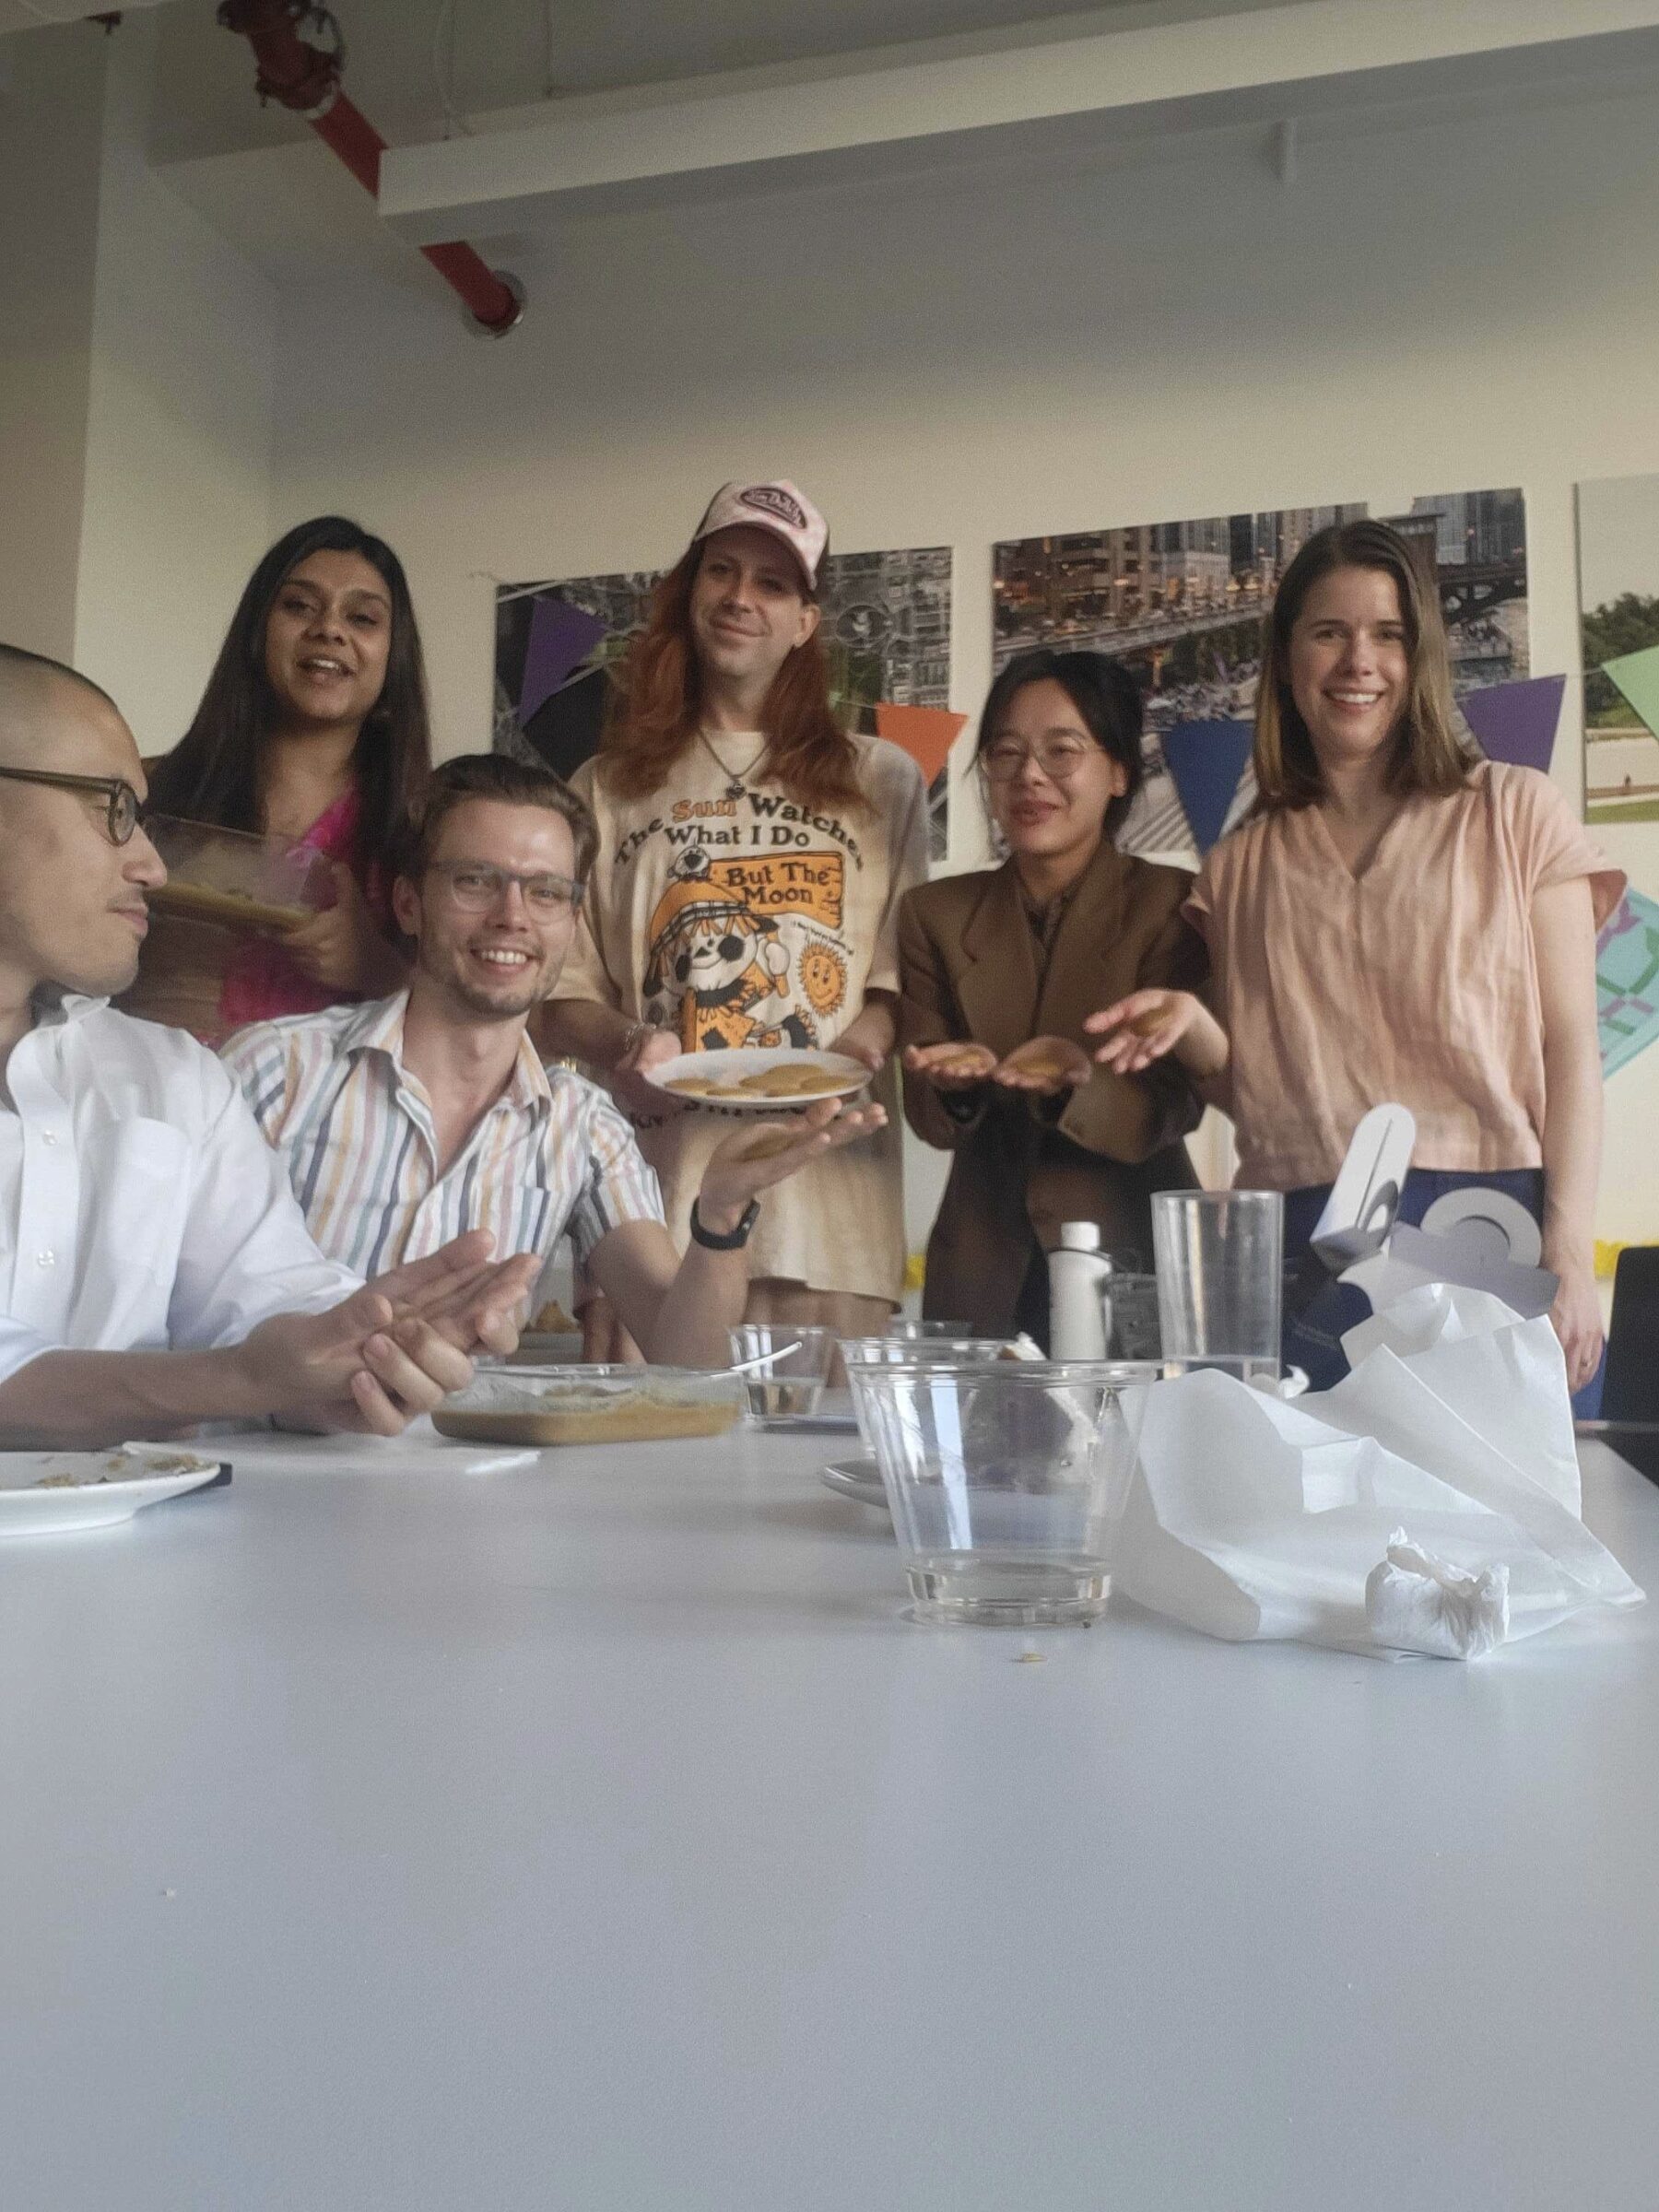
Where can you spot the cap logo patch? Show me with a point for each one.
(771, 500)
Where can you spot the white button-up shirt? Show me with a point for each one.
(140, 1207)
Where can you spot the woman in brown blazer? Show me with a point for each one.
(999, 970)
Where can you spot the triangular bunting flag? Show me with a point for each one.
(1517, 721)
(1626, 981)
(1205, 760)
(562, 636)
(926, 733)
(1637, 675)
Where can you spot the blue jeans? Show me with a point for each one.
(1318, 1309)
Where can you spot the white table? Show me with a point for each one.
(600, 1835)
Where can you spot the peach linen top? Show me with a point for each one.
(1416, 981)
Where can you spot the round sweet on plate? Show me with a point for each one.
(756, 1079)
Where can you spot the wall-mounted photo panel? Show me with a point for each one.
(885, 624)
(1618, 599)
(1184, 604)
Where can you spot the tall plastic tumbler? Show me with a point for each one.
(1220, 1258)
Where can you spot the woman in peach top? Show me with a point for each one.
(1399, 919)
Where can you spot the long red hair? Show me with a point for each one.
(655, 709)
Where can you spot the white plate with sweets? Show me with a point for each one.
(48, 1493)
(756, 1080)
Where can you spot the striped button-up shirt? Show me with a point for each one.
(551, 1157)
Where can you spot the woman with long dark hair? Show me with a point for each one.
(1400, 919)
(752, 854)
(313, 726)
(999, 968)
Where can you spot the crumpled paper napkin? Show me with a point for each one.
(1429, 1503)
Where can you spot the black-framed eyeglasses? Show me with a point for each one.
(477, 889)
(122, 806)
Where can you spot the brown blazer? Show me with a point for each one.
(969, 971)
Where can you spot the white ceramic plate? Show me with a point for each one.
(730, 1068)
(859, 1478)
(48, 1493)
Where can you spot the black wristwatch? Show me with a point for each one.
(734, 1240)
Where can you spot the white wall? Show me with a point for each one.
(50, 103)
(178, 450)
(1452, 304)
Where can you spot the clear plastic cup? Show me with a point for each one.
(1129, 1307)
(1006, 1481)
(790, 1386)
(1220, 1259)
(895, 1351)
(938, 1351)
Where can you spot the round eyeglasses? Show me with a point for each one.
(122, 806)
(477, 889)
(1058, 761)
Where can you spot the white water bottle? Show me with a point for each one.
(1079, 1273)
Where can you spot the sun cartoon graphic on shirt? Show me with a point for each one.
(716, 971)
(823, 971)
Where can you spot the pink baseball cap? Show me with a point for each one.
(779, 507)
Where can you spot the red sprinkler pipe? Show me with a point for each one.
(307, 79)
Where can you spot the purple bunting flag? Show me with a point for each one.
(1517, 721)
(561, 636)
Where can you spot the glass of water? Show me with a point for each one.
(789, 1385)
(1220, 1259)
(1006, 1481)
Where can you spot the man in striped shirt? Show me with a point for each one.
(404, 1122)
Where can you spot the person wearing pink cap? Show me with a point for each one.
(752, 854)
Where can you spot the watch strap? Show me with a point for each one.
(734, 1240)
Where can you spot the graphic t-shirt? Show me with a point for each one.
(747, 919)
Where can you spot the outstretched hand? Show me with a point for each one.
(1043, 1065)
(1142, 1027)
(1047, 1065)
(952, 1066)
(744, 1165)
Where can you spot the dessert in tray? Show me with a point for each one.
(236, 881)
(589, 1406)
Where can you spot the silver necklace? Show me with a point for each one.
(734, 783)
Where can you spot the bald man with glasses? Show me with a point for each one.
(405, 1122)
(154, 1270)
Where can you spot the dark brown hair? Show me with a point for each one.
(656, 707)
(213, 773)
(1109, 704)
(1428, 756)
(510, 783)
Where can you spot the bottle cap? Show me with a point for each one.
(1079, 1235)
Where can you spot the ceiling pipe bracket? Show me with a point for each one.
(305, 77)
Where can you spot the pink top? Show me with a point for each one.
(262, 981)
(1415, 982)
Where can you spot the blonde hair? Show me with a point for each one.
(1428, 755)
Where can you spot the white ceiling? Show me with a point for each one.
(507, 53)
(30, 14)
